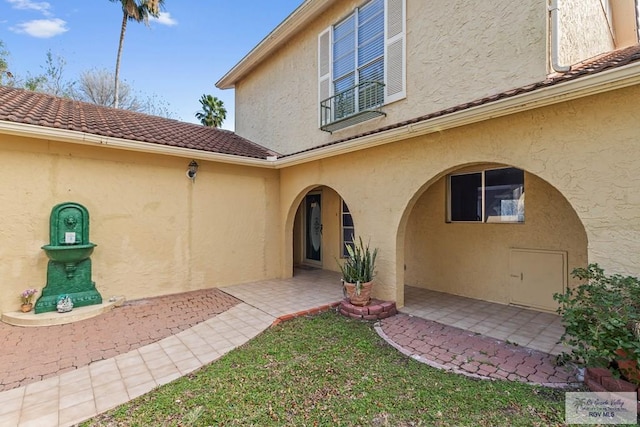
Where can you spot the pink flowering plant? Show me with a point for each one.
(27, 295)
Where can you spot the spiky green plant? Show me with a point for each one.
(359, 266)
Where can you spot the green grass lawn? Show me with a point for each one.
(328, 370)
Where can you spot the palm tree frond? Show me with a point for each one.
(213, 112)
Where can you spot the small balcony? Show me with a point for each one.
(352, 106)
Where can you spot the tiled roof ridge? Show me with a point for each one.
(40, 109)
(597, 64)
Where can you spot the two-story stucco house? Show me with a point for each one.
(422, 125)
(417, 125)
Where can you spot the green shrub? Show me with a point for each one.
(601, 316)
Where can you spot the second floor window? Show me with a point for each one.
(361, 61)
(358, 55)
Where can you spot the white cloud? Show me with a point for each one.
(42, 28)
(42, 7)
(164, 19)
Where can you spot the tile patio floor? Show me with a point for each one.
(70, 395)
(527, 328)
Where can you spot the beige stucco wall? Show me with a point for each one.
(583, 30)
(457, 51)
(157, 232)
(585, 149)
(472, 259)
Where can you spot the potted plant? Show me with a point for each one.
(601, 319)
(27, 297)
(358, 270)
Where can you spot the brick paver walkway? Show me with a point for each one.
(29, 355)
(32, 354)
(465, 352)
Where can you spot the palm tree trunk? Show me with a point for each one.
(117, 73)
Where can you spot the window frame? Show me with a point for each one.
(345, 239)
(356, 21)
(483, 197)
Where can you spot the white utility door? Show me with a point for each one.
(535, 275)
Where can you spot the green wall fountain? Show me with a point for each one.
(69, 267)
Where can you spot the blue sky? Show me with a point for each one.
(176, 58)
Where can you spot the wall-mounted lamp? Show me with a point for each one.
(193, 170)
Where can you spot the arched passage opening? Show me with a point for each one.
(321, 226)
(504, 251)
(471, 233)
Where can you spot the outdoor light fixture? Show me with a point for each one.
(193, 170)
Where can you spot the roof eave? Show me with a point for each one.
(306, 12)
(83, 138)
(605, 81)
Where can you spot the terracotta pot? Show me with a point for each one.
(25, 308)
(628, 366)
(354, 298)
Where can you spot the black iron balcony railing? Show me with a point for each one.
(352, 106)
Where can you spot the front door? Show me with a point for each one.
(313, 228)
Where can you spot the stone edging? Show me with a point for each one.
(376, 310)
(308, 312)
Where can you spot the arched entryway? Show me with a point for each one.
(475, 251)
(321, 226)
(472, 236)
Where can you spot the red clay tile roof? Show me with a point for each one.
(22, 106)
(596, 65)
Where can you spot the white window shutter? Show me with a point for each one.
(324, 72)
(395, 50)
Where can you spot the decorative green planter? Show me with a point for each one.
(69, 267)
